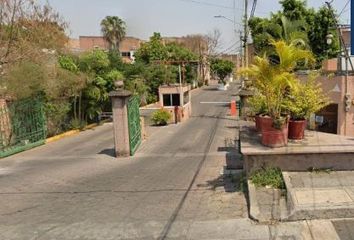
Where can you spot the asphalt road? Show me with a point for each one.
(76, 189)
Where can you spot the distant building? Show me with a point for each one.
(127, 47)
(346, 33)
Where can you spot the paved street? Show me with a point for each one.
(171, 189)
(75, 189)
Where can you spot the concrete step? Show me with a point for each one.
(319, 195)
(317, 151)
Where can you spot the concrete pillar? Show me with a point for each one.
(120, 100)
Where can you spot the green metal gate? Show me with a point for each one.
(22, 126)
(134, 124)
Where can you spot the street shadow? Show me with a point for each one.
(210, 89)
(109, 152)
(233, 156)
(230, 183)
(233, 127)
(214, 117)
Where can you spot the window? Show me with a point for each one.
(171, 100)
(125, 54)
(167, 100)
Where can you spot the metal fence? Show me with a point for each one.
(22, 126)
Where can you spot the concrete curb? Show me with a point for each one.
(60, 136)
(314, 207)
(196, 89)
(73, 132)
(255, 213)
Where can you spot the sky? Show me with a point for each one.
(169, 17)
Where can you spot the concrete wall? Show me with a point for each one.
(91, 42)
(173, 89)
(336, 88)
(300, 162)
(184, 111)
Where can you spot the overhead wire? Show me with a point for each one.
(254, 6)
(207, 4)
(344, 9)
(228, 50)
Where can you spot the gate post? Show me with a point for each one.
(120, 100)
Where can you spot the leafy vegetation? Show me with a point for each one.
(222, 68)
(258, 104)
(268, 176)
(296, 23)
(274, 81)
(113, 29)
(307, 98)
(34, 62)
(161, 117)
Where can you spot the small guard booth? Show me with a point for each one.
(176, 99)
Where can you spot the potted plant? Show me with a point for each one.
(306, 98)
(273, 77)
(259, 110)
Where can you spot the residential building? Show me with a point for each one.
(127, 47)
(338, 117)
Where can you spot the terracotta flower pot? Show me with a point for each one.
(297, 129)
(264, 123)
(258, 122)
(275, 138)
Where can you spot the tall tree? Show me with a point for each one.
(113, 29)
(28, 31)
(213, 42)
(297, 22)
(222, 68)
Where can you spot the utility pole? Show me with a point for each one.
(242, 50)
(246, 35)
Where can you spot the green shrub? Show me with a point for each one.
(77, 124)
(268, 177)
(307, 98)
(57, 116)
(161, 117)
(258, 104)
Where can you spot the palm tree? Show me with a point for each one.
(113, 29)
(281, 28)
(294, 32)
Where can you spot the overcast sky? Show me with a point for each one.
(169, 17)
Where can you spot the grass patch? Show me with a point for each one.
(268, 177)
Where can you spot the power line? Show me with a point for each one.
(344, 9)
(207, 4)
(227, 50)
(254, 6)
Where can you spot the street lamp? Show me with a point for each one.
(329, 39)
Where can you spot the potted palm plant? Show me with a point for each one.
(273, 81)
(259, 110)
(307, 98)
